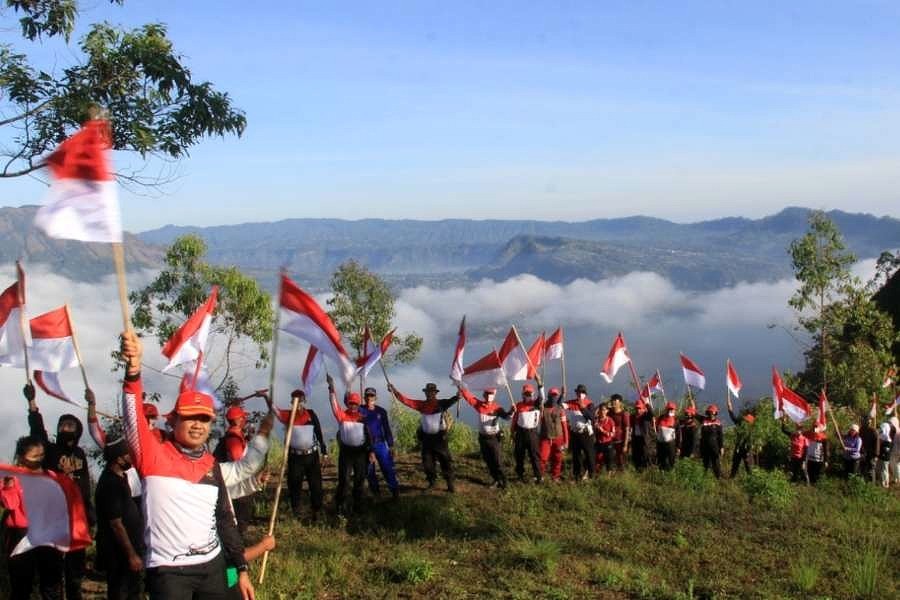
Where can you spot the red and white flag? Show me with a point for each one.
(693, 375)
(374, 353)
(82, 204)
(12, 304)
(616, 359)
(821, 420)
(52, 348)
(732, 380)
(49, 382)
(456, 366)
(311, 369)
(787, 401)
(301, 316)
(553, 348)
(187, 344)
(484, 373)
(536, 354)
(513, 358)
(655, 384)
(55, 510)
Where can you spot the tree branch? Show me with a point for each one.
(27, 113)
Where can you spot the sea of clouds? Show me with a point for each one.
(748, 323)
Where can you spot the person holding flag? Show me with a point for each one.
(852, 451)
(712, 440)
(489, 434)
(526, 424)
(42, 561)
(432, 432)
(797, 450)
(355, 448)
(306, 454)
(744, 427)
(554, 435)
(643, 424)
(189, 526)
(580, 416)
(66, 457)
(666, 425)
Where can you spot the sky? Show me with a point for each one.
(562, 110)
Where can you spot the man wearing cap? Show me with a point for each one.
(580, 415)
(554, 435)
(489, 415)
(852, 451)
(432, 431)
(231, 448)
(305, 455)
(526, 427)
(687, 430)
(189, 527)
(66, 457)
(712, 440)
(382, 443)
(120, 526)
(355, 448)
(666, 425)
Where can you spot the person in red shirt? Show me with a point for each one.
(580, 415)
(797, 452)
(231, 448)
(642, 427)
(666, 426)
(355, 448)
(45, 562)
(489, 415)
(605, 428)
(622, 437)
(554, 435)
(526, 427)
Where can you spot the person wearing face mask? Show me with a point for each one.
(712, 440)
(98, 434)
(554, 436)
(189, 528)
(580, 415)
(665, 437)
(67, 457)
(642, 426)
(120, 526)
(43, 562)
(687, 430)
(489, 415)
(852, 451)
(525, 429)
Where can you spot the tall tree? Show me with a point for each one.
(243, 318)
(821, 265)
(361, 298)
(155, 105)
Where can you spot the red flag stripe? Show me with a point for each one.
(192, 325)
(83, 155)
(52, 324)
(9, 300)
(295, 299)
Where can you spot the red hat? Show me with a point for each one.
(234, 413)
(749, 418)
(671, 406)
(192, 402)
(527, 389)
(712, 409)
(690, 410)
(352, 398)
(150, 410)
(553, 392)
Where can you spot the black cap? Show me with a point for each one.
(430, 387)
(115, 449)
(370, 391)
(298, 393)
(580, 389)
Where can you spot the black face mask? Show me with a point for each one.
(66, 438)
(30, 464)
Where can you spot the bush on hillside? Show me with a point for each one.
(770, 488)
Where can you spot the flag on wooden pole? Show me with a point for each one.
(456, 366)
(616, 359)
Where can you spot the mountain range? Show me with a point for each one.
(702, 255)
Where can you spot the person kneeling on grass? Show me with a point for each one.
(189, 528)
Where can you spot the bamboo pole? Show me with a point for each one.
(119, 260)
(77, 348)
(23, 325)
(287, 435)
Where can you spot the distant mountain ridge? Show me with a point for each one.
(703, 255)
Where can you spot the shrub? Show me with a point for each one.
(771, 488)
(688, 475)
(865, 571)
(404, 423)
(535, 554)
(805, 576)
(409, 567)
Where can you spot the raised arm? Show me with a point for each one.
(405, 400)
(468, 397)
(94, 427)
(143, 444)
(35, 420)
(332, 397)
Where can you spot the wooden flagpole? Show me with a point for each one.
(562, 360)
(287, 435)
(524, 349)
(77, 349)
(512, 400)
(20, 289)
(119, 260)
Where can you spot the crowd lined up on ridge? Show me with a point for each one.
(172, 514)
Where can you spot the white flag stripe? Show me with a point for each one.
(83, 210)
(305, 328)
(619, 359)
(554, 352)
(190, 350)
(48, 520)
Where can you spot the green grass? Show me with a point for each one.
(666, 536)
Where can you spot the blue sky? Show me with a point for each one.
(563, 110)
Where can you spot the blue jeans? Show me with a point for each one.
(386, 463)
